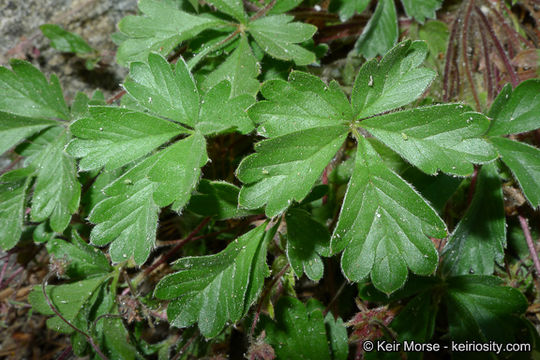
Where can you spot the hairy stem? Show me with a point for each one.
(464, 50)
(530, 244)
(180, 244)
(498, 46)
(57, 313)
(263, 297)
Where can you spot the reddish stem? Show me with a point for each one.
(57, 313)
(530, 243)
(464, 46)
(449, 57)
(180, 244)
(498, 47)
(472, 187)
(3, 272)
(263, 296)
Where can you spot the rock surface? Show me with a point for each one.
(94, 20)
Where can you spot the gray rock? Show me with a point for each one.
(94, 20)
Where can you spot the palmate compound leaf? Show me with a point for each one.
(397, 80)
(29, 103)
(240, 68)
(174, 95)
(384, 226)
(85, 304)
(302, 332)
(477, 306)
(307, 240)
(171, 94)
(305, 120)
(14, 129)
(83, 260)
(445, 137)
(215, 289)
(421, 9)
(26, 92)
(347, 8)
(113, 137)
(381, 32)
(286, 167)
(73, 301)
(161, 28)
(57, 190)
(64, 40)
(516, 111)
(234, 8)
(128, 216)
(479, 239)
(13, 187)
(218, 199)
(278, 36)
(129, 221)
(524, 162)
(302, 103)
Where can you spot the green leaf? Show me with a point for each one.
(64, 40)
(240, 68)
(13, 187)
(178, 170)
(114, 339)
(337, 337)
(79, 107)
(83, 260)
(480, 237)
(215, 289)
(174, 172)
(219, 113)
(524, 161)
(445, 137)
(161, 28)
(114, 137)
(435, 33)
(14, 129)
(421, 9)
(26, 92)
(477, 306)
(307, 239)
(278, 36)
(285, 168)
(437, 189)
(57, 191)
(516, 111)
(171, 94)
(282, 6)
(384, 225)
(94, 194)
(128, 220)
(395, 81)
(71, 300)
(305, 102)
(415, 322)
(300, 333)
(381, 32)
(218, 199)
(235, 8)
(347, 8)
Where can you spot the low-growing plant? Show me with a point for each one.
(236, 191)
